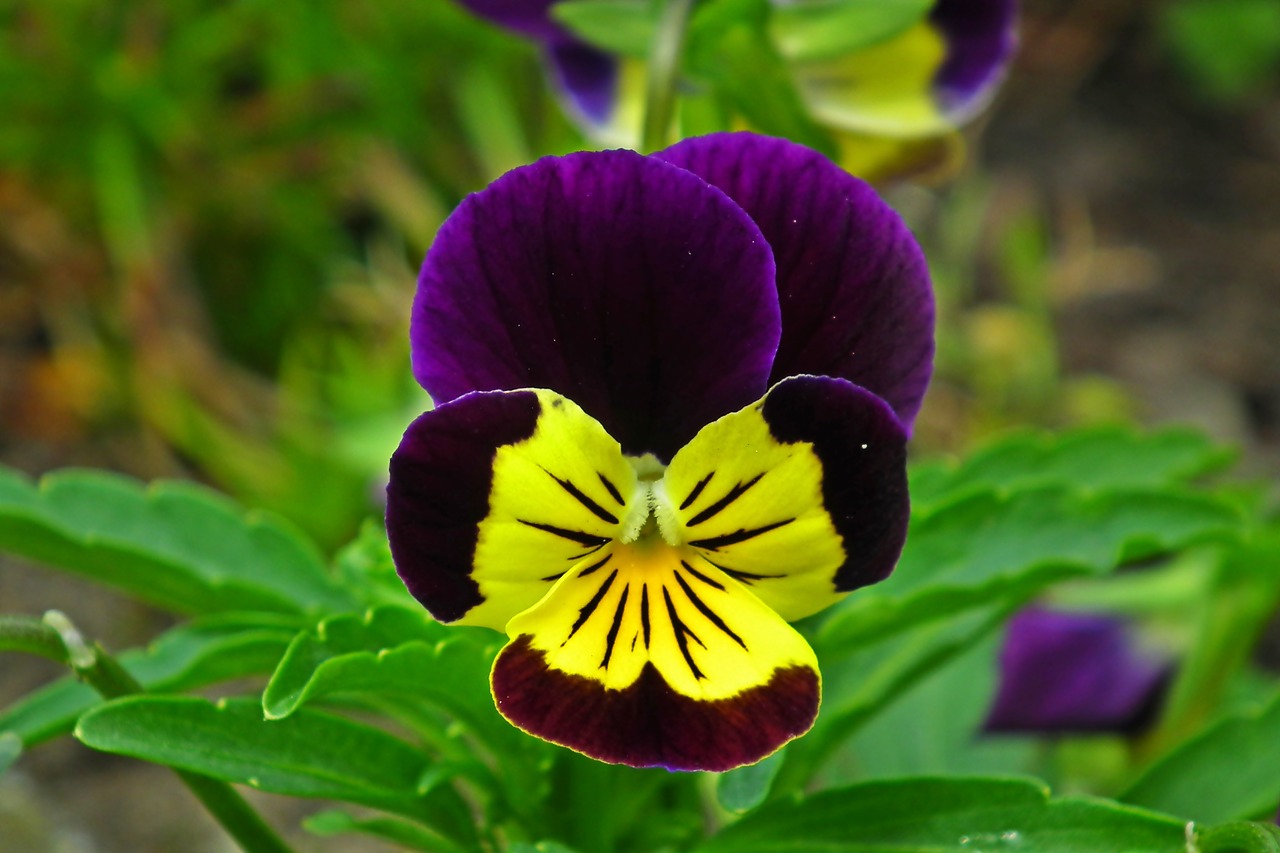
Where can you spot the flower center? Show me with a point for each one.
(650, 516)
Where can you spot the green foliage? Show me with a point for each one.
(1227, 772)
(409, 836)
(832, 28)
(933, 815)
(621, 27)
(1227, 47)
(175, 545)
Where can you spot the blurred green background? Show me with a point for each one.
(212, 213)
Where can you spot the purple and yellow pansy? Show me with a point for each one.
(891, 104)
(674, 394)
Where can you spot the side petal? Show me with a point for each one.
(802, 496)
(625, 283)
(529, 18)
(658, 660)
(589, 80)
(931, 78)
(854, 287)
(493, 497)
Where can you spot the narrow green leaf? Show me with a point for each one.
(10, 749)
(1226, 773)
(825, 29)
(934, 815)
(747, 787)
(206, 651)
(410, 835)
(1098, 459)
(176, 545)
(622, 27)
(312, 754)
(994, 545)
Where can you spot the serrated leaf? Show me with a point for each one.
(206, 651)
(1104, 458)
(312, 754)
(1225, 773)
(935, 815)
(826, 29)
(989, 546)
(409, 835)
(176, 545)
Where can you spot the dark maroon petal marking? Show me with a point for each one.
(579, 536)
(696, 490)
(626, 284)
(578, 495)
(711, 582)
(683, 633)
(612, 490)
(863, 450)
(585, 611)
(615, 626)
(716, 508)
(853, 285)
(648, 724)
(981, 36)
(438, 494)
(712, 616)
(1063, 672)
(644, 613)
(594, 566)
(715, 543)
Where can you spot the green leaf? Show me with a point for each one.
(1225, 773)
(742, 64)
(410, 835)
(1227, 47)
(992, 545)
(825, 29)
(365, 566)
(1237, 838)
(206, 651)
(933, 815)
(176, 545)
(311, 754)
(622, 27)
(540, 847)
(747, 787)
(1097, 459)
(10, 749)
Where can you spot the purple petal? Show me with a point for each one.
(588, 78)
(853, 284)
(1073, 672)
(626, 284)
(981, 36)
(438, 494)
(529, 18)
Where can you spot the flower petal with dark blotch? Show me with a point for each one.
(625, 283)
(801, 497)
(495, 496)
(853, 285)
(1063, 672)
(658, 660)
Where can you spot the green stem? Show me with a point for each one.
(54, 637)
(664, 71)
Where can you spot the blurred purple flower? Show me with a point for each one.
(1064, 673)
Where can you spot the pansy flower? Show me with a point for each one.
(674, 393)
(892, 104)
(1064, 672)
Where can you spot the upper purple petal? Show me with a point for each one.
(1074, 672)
(626, 284)
(588, 78)
(980, 36)
(530, 18)
(853, 284)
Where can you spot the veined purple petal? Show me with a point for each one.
(626, 284)
(1066, 672)
(853, 285)
(981, 37)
